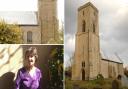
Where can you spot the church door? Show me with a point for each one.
(83, 74)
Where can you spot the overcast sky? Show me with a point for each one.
(28, 5)
(113, 27)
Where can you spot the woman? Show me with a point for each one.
(29, 76)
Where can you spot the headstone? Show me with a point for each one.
(75, 86)
(115, 84)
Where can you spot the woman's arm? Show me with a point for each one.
(40, 80)
(18, 80)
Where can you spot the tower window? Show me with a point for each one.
(94, 13)
(94, 28)
(29, 37)
(83, 13)
(83, 64)
(83, 26)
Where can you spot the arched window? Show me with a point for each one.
(83, 26)
(83, 13)
(83, 74)
(94, 28)
(29, 37)
(83, 64)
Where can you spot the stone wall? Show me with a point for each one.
(87, 48)
(110, 69)
(36, 33)
(47, 11)
(11, 59)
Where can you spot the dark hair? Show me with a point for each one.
(32, 51)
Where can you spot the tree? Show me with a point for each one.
(68, 69)
(56, 68)
(126, 72)
(10, 33)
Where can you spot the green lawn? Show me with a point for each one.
(92, 84)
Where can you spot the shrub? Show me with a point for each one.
(10, 33)
(100, 76)
(126, 72)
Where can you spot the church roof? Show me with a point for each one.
(113, 58)
(86, 5)
(19, 17)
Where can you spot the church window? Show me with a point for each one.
(94, 28)
(83, 64)
(83, 13)
(83, 74)
(94, 13)
(29, 37)
(83, 26)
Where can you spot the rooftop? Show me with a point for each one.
(19, 17)
(86, 5)
(113, 58)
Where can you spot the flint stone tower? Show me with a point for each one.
(48, 20)
(86, 63)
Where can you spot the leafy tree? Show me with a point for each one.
(10, 33)
(68, 72)
(56, 68)
(126, 72)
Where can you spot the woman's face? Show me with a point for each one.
(30, 60)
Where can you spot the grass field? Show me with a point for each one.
(92, 84)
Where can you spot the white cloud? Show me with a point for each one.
(69, 47)
(18, 5)
(61, 10)
(28, 5)
(113, 24)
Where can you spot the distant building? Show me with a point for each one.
(37, 27)
(88, 62)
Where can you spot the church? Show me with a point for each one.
(88, 61)
(39, 27)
